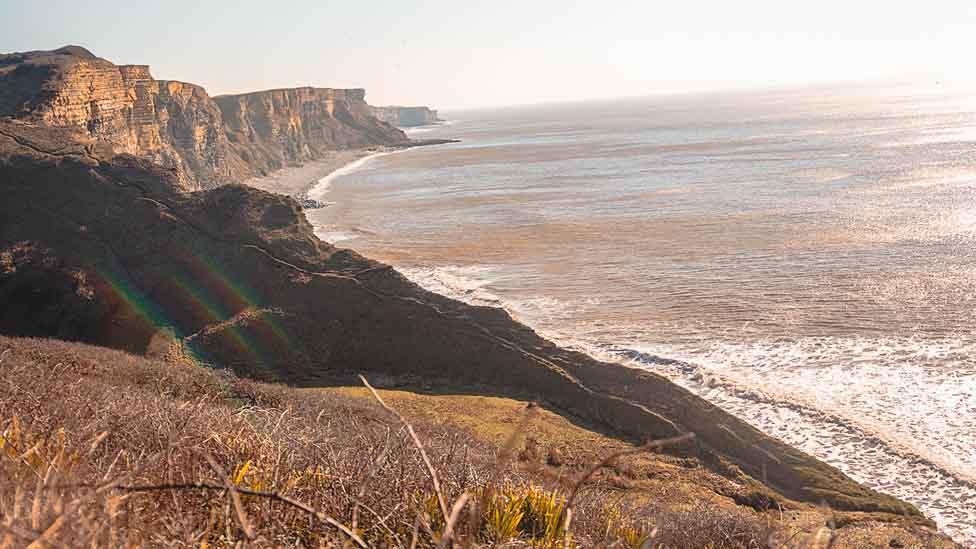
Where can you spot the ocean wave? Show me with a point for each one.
(428, 127)
(935, 136)
(333, 237)
(870, 452)
(899, 415)
(420, 129)
(465, 283)
(867, 452)
(323, 186)
(879, 450)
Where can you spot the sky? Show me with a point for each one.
(462, 53)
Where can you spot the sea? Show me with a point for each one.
(803, 258)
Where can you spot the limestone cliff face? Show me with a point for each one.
(173, 124)
(179, 126)
(274, 128)
(68, 87)
(406, 116)
(191, 126)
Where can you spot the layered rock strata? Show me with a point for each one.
(274, 128)
(405, 117)
(178, 125)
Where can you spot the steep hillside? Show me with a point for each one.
(142, 448)
(178, 125)
(109, 250)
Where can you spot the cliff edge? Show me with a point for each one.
(406, 117)
(178, 125)
(275, 128)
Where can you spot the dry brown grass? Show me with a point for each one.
(101, 448)
(74, 421)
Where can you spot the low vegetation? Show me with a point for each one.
(100, 448)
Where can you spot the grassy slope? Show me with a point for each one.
(83, 426)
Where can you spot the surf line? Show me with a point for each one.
(322, 187)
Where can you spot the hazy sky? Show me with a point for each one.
(460, 53)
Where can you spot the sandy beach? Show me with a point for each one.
(296, 181)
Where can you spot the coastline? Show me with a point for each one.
(321, 185)
(400, 329)
(309, 181)
(299, 181)
(315, 189)
(563, 341)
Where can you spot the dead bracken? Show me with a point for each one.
(107, 449)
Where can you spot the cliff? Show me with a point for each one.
(406, 116)
(110, 250)
(171, 123)
(178, 125)
(274, 128)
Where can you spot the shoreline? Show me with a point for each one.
(301, 182)
(321, 186)
(682, 371)
(356, 159)
(875, 483)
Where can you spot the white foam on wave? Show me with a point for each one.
(897, 414)
(412, 130)
(332, 237)
(321, 188)
(419, 129)
(469, 283)
(465, 283)
(876, 408)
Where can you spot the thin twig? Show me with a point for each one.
(235, 497)
(19, 532)
(416, 532)
(504, 456)
(382, 520)
(449, 527)
(416, 440)
(373, 467)
(566, 536)
(73, 506)
(275, 496)
(650, 445)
